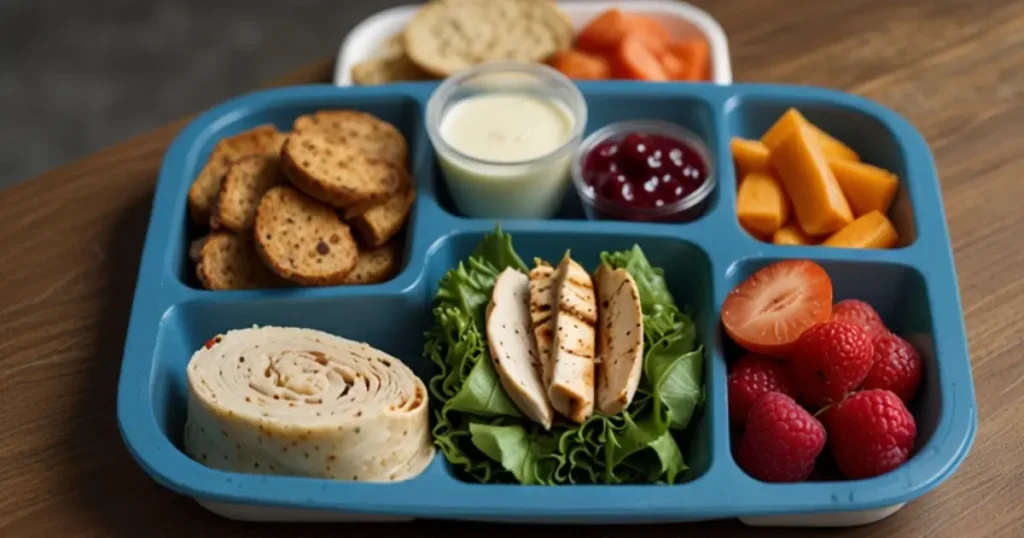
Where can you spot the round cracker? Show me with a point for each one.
(302, 239)
(229, 262)
(373, 137)
(336, 172)
(446, 37)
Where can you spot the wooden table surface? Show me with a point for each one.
(70, 242)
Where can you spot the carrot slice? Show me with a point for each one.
(867, 188)
(604, 33)
(633, 60)
(675, 68)
(791, 234)
(818, 202)
(871, 230)
(650, 31)
(694, 53)
(750, 156)
(790, 120)
(577, 64)
(761, 205)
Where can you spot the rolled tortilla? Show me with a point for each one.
(301, 402)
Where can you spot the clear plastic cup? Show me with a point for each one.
(527, 189)
(683, 210)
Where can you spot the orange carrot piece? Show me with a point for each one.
(675, 68)
(650, 31)
(750, 156)
(792, 118)
(580, 65)
(867, 188)
(694, 53)
(871, 230)
(604, 33)
(633, 60)
(761, 205)
(818, 201)
(791, 234)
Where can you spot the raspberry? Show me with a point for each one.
(860, 313)
(830, 360)
(752, 377)
(781, 440)
(897, 367)
(871, 433)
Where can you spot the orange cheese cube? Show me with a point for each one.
(788, 122)
(791, 234)
(818, 202)
(872, 230)
(761, 205)
(867, 188)
(750, 156)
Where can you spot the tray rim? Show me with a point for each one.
(170, 467)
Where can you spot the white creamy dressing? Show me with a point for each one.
(506, 127)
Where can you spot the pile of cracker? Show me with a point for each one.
(319, 206)
(447, 36)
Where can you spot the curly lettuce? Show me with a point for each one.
(486, 439)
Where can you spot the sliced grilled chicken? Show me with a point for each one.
(543, 301)
(620, 339)
(571, 390)
(510, 339)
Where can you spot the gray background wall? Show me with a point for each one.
(79, 75)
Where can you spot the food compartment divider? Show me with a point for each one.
(702, 259)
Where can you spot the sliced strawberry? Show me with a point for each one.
(769, 311)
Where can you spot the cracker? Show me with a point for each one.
(390, 64)
(375, 265)
(262, 140)
(245, 182)
(375, 138)
(302, 239)
(380, 223)
(229, 262)
(337, 173)
(446, 37)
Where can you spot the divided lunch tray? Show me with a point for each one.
(680, 18)
(914, 288)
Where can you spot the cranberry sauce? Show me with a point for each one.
(643, 172)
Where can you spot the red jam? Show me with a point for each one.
(634, 176)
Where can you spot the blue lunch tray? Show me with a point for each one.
(913, 287)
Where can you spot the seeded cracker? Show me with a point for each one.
(445, 37)
(244, 184)
(375, 265)
(373, 137)
(262, 140)
(230, 262)
(303, 240)
(336, 172)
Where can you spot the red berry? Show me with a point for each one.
(752, 377)
(860, 313)
(897, 367)
(871, 433)
(781, 440)
(830, 360)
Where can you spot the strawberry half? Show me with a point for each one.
(769, 311)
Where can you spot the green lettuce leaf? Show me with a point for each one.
(483, 435)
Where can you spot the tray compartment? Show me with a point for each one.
(371, 318)
(607, 103)
(403, 111)
(687, 272)
(750, 114)
(899, 294)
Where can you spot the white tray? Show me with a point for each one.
(680, 18)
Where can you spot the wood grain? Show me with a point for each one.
(70, 242)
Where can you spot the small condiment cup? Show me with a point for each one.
(684, 210)
(528, 189)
